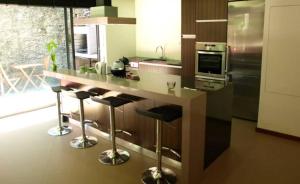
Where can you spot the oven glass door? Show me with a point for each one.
(210, 62)
(81, 43)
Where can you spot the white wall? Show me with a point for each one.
(121, 39)
(158, 23)
(279, 108)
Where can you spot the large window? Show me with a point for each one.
(24, 33)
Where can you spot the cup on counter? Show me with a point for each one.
(171, 85)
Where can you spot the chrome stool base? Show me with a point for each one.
(151, 176)
(107, 158)
(60, 131)
(80, 143)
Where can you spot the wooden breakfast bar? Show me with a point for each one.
(154, 86)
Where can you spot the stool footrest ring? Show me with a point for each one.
(81, 143)
(170, 150)
(124, 132)
(110, 158)
(60, 131)
(91, 123)
(118, 131)
(153, 175)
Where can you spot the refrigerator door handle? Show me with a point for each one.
(227, 59)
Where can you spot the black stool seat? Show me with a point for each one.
(166, 113)
(97, 91)
(58, 89)
(111, 101)
(130, 97)
(79, 94)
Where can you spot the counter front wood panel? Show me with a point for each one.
(154, 87)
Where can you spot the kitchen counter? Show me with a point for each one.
(151, 85)
(154, 86)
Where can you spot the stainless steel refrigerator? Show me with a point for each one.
(245, 39)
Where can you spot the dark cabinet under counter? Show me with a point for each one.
(218, 122)
(217, 127)
(218, 115)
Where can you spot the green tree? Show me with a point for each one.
(52, 47)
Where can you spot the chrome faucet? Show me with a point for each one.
(163, 56)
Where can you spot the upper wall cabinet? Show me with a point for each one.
(188, 12)
(211, 32)
(211, 9)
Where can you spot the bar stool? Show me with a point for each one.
(97, 91)
(82, 141)
(166, 114)
(130, 97)
(59, 130)
(113, 156)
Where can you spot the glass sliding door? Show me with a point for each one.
(24, 33)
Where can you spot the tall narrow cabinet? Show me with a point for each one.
(279, 108)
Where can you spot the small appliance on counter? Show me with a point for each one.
(118, 68)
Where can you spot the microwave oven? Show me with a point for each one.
(85, 40)
(211, 60)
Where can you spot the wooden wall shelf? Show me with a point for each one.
(104, 20)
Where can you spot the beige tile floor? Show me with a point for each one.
(29, 156)
(23, 102)
(256, 158)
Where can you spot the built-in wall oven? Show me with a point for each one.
(211, 60)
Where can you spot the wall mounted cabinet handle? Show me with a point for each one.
(212, 20)
(188, 36)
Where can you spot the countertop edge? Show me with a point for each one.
(159, 64)
(129, 90)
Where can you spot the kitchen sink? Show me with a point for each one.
(154, 60)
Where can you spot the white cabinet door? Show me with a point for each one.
(280, 84)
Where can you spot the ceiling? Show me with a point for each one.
(55, 3)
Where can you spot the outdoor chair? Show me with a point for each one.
(41, 76)
(11, 82)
